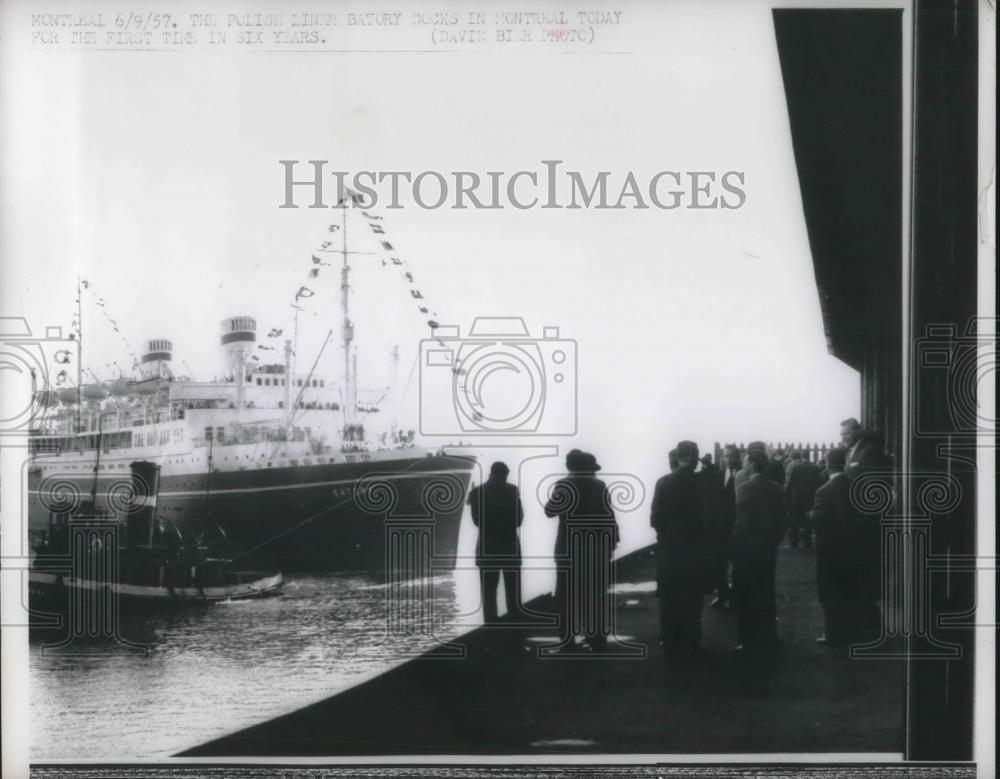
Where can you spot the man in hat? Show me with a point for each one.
(758, 528)
(776, 467)
(680, 515)
(497, 512)
(801, 482)
(717, 536)
(747, 470)
(844, 544)
(711, 471)
(585, 542)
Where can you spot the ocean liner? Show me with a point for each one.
(280, 460)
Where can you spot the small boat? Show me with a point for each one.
(240, 585)
(138, 559)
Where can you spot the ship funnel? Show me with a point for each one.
(239, 338)
(142, 514)
(156, 358)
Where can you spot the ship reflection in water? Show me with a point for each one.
(214, 669)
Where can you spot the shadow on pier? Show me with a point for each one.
(503, 699)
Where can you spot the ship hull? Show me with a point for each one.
(343, 516)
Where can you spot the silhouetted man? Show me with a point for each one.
(824, 475)
(863, 450)
(844, 545)
(710, 470)
(776, 467)
(680, 515)
(758, 528)
(722, 527)
(850, 437)
(585, 542)
(801, 482)
(747, 470)
(497, 512)
(868, 456)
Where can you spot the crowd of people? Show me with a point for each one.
(718, 530)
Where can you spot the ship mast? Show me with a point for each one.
(97, 463)
(79, 356)
(350, 400)
(288, 384)
(394, 381)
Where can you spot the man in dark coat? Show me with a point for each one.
(776, 467)
(497, 512)
(863, 449)
(747, 470)
(757, 530)
(710, 470)
(850, 439)
(721, 527)
(866, 455)
(823, 473)
(585, 542)
(845, 541)
(801, 482)
(680, 515)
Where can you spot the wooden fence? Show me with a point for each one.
(812, 452)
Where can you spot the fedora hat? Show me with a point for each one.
(687, 450)
(578, 461)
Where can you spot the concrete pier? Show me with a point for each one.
(503, 699)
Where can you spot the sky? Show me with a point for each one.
(155, 176)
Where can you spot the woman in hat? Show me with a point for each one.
(585, 542)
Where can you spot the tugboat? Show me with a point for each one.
(139, 559)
